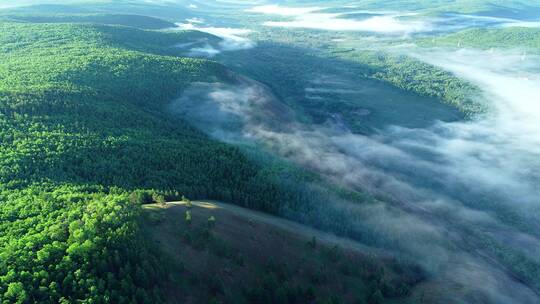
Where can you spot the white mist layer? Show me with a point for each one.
(437, 178)
(233, 39)
(510, 136)
(382, 22)
(312, 18)
(283, 11)
(504, 22)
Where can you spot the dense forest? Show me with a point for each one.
(92, 156)
(139, 21)
(427, 92)
(79, 133)
(84, 143)
(520, 38)
(299, 51)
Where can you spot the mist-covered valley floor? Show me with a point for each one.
(443, 190)
(458, 195)
(417, 124)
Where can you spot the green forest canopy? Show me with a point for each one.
(79, 132)
(521, 38)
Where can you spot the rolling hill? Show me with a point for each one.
(87, 138)
(391, 158)
(82, 127)
(236, 255)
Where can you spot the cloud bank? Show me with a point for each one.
(233, 39)
(453, 22)
(315, 18)
(282, 10)
(383, 22)
(447, 189)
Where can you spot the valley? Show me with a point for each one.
(345, 151)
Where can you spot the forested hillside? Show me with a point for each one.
(81, 128)
(142, 22)
(321, 151)
(521, 38)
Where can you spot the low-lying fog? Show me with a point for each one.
(350, 18)
(455, 194)
(233, 39)
(451, 185)
(318, 18)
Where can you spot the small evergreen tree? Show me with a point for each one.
(186, 201)
(188, 217)
(211, 222)
(158, 198)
